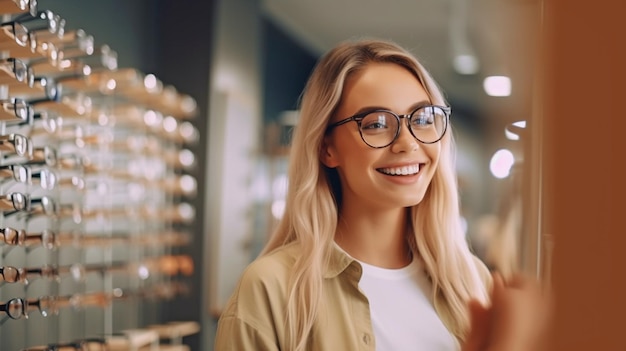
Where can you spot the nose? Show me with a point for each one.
(405, 142)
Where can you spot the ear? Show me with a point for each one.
(328, 153)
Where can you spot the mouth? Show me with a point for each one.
(401, 171)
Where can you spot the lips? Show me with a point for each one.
(400, 171)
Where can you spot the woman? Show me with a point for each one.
(369, 254)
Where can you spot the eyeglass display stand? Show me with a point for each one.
(134, 340)
(174, 332)
(116, 142)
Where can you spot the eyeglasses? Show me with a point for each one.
(16, 144)
(15, 36)
(16, 202)
(18, 6)
(15, 110)
(380, 128)
(46, 155)
(12, 274)
(15, 70)
(46, 178)
(37, 88)
(18, 308)
(42, 122)
(51, 240)
(46, 305)
(43, 21)
(19, 237)
(15, 308)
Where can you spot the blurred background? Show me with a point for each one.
(245, 63)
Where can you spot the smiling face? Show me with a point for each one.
(391, 177)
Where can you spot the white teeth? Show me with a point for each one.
(406, 170)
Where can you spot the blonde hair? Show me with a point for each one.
(313, 199)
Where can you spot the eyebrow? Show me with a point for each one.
(412, 108)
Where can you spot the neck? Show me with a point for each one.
(377, 237)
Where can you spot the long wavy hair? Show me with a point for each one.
(314, 195)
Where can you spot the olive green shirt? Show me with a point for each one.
(254, 317)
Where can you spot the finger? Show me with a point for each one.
(498, 281)
(498, 286)
(521, 281)
(480, 320)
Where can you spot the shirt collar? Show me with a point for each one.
(338, 261)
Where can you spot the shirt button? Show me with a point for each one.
(366, 339)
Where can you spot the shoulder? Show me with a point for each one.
(255, 313)
(270, 270)
(262, 288)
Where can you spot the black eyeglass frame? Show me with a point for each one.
(358, 118)
(20, 303)
(22, 72)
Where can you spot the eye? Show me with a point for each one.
(376, 120)
(423, 118)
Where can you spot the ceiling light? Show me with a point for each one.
(497, 85)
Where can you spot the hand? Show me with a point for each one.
(516, 320)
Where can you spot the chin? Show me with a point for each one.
(414, 200)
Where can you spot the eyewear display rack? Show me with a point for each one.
(94, 192)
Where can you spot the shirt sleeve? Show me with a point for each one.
(233, 334)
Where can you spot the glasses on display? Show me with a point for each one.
(76, 271)
(16, 202)
(19, 237)
(43, 22)
(74, 105)
(75, 39)
(15, 145)
(46, 305)
(40, 88)
(15, 110)
(44, 177)
(15, 308)
(380, 128)
(18, 6)
(14, 70)
(14, 36)
(80, 139)
(44, 156)
(82, 58)
(12, 274)
(169, 265)
(18, 308)
(52, 240)
(43, 122)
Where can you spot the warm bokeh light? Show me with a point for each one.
(497, 85)
(501, 163)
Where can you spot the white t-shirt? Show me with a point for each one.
(402, 312)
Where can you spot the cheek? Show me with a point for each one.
(433, 151)
(351, 150)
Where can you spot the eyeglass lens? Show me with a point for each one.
(12, 236)
(9, 274)
(380, 128)
(14, 308)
